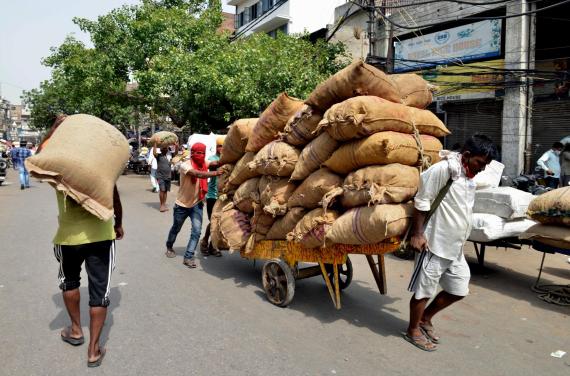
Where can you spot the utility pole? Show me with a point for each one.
(368, 5)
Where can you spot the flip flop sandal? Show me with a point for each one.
(97, 362)
(421, 342)
(429, 332)
(73, 341)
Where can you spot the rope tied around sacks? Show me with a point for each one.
(424, 161)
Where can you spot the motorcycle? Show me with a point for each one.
(532, 183)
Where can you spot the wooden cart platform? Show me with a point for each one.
(282, 267)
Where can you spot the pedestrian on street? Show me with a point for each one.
(440, 260)
(19, 155)
(550, 163)
(565, 166)
(190, 201)
(151, 161)
(211, 197)
(81, 238)
(163, 174)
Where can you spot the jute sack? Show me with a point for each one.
(310, 231)
(383, 148)
(223, 185)
(311, 192)
(236, 140)
(218, 241)
(414, 90)
(428, 123)
(313, 155)
(285, 224)
(274, 192)
(235, 227)
(360, 117)
(246, 195)
(272, 121)
(276, 158)
(356, 79)
(261, 222)
(83, 159)
(552, 207)
(554, 236)
(389, 184)
(163, 139)
(241, 171)
(371, 224)
(301, 127)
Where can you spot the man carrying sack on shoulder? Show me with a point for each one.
(446, 195)
(190, 201)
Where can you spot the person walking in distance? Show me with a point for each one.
(565, 166)
(440, 260)
(163, 174)
(190, 201)
(19, 155)
(151, 161)
(550, 163)
(211, 198)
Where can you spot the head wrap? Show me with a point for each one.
(199, 164)
(220, 140)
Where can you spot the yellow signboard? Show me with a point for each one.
(469, 81)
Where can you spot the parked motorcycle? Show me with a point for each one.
(532, 183)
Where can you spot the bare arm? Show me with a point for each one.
(154, 150)
(118, 208)
(418, 240)
(203, 174)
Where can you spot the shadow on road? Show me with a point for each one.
(154, 205)
(62, 319)
(362, 304)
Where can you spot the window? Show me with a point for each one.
(267, 4)
(253, 11)
(240, 20)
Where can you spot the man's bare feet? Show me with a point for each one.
(163, 208)
(72, 336)
(95, 359)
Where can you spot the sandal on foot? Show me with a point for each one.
(189, 263)
(421, 342)
(429, 332)
(170, 253)
(71, 340)
(97, 363)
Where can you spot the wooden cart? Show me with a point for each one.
(282, 267)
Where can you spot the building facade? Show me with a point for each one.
(502, 68)
(287, 16)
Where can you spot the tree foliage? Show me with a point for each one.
(184, 68)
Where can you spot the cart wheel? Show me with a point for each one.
(278, 282)
(344, 274)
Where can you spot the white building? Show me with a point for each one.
(288, 16)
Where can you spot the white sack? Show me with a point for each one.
(488, 227)
(490, 177)
(505, 202)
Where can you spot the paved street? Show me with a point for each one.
(166, 319)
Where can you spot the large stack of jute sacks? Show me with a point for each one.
(338, 168)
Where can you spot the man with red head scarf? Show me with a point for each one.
(194, 176)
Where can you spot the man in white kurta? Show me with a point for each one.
(440, 242)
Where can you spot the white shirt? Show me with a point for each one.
(450, 225)
(550, 161)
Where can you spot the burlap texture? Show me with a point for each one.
(235, 227)
(286, 224)
(276, 158)
(272, 121)
(414, 90)
(370, 224)
(274, 192)
(311, 191)
(241, 171)
(246, 195)
(301, 127)
(83, 159)
(383, 148)
(552, 207)
(311, 230)
(236, 140)
(313, 155)
(356, 79)
(163, 139)
(389, 184)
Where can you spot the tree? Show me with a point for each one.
(184, 68)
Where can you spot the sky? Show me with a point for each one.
(30, 27)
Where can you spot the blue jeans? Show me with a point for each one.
(24, 176)
(180, 214)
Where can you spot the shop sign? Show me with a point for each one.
(475, 41)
